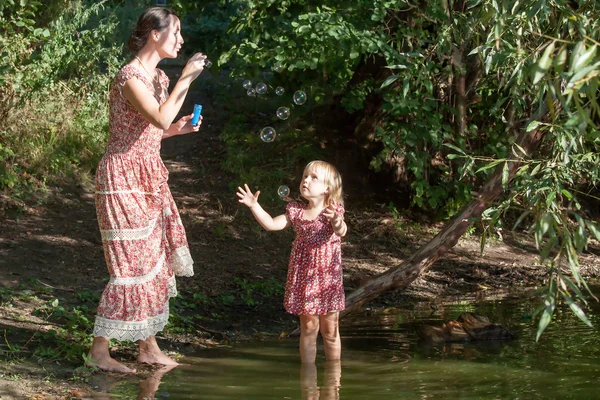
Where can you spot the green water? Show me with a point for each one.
(383, 359)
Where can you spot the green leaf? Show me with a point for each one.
(545, 223)
(455, 148)
(544, 321)
(574, 288)
(575, 54)
(541, 67)
(584, 58)
(505, 175)
(389, 81)
(406, 87)
(567, 194)
(561, 59)
(533, 125)
(478, 49)
(577, 310)
(520, 219)
(593, 227)
(490, 165)
(482, 243)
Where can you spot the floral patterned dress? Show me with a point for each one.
(144, 242)
(314, 282)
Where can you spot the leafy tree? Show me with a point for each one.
(457, 92)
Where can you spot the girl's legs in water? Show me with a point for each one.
(150, 353)
(330, 332)
(99, 354)
(309, 329)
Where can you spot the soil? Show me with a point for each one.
(53, 250)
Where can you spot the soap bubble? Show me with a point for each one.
(278, 67)
(251, 92)
(261, 88)
(247, 84)
(267, 134)
(283, 112)
(207, 64)
(279, 91)
(299, 97)
(283, 191)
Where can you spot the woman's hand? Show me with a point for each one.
(246, 196)
(183, 126)
(194, 66)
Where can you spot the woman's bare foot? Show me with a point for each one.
(156, 358)
(150, 353)
(108, 364)
(99, 357)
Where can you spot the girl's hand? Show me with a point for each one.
(246, 196)
(330, 212)
(334, 217)
(194, 66)
(184, 125)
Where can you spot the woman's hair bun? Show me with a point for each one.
(154, 18)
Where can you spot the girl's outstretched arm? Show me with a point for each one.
(264, 219)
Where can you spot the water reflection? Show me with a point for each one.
(149, 386)
(115, 386)
(384, 359)
(329, 390)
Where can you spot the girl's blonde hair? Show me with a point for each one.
(331, 177)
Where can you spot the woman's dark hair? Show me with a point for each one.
(158, 18)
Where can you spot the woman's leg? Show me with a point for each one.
(150, 353)
(309, 330)
(331, 335)
(101, 357)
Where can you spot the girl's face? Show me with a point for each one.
(313, 185)
(170, 40)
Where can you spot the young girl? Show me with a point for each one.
(314, 288)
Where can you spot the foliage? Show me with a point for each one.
(454, 83)
(56, 69)
(548, 68)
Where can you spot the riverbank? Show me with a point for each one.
(52, 270)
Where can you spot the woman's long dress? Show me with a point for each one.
(144, 242)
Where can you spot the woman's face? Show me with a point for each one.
(170, 40)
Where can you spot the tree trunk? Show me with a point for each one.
(459, 77)
(409, 270)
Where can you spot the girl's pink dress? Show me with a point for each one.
(314, 281)
(144, 241)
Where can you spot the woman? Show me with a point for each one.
(144, 242)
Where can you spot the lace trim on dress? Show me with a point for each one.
(123, 192)
(182, 262)
(138, 280)
(131, 330)
(128, 234)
